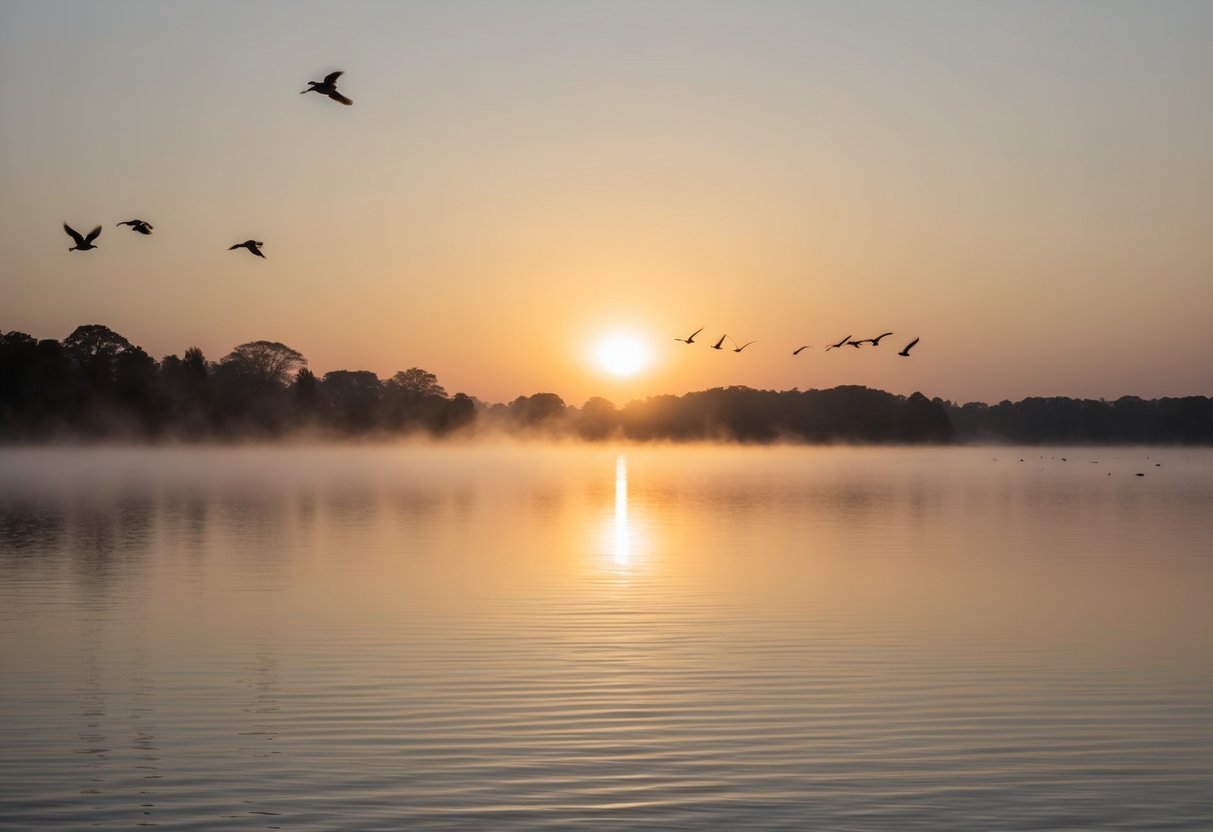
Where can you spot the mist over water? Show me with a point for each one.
(520, 636)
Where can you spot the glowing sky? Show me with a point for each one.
(1026, 186)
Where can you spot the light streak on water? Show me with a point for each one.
(623, 543)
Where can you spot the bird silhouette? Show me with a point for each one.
(716, 346)
(798, 349)
(82, 243)
(328, 87)
(906, 349)
(142, 226)
(690, 339)
(855, 344)
(252, 245)
(742, 347)
(839, 344)
(874, 341)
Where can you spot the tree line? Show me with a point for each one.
(96, 384)
(1059, 420)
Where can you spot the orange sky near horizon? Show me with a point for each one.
(1028, 188)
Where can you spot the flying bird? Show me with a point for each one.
(856, 344)
(328, 87)
(716, 346)
(142, 226)
(252, 245)
(82, 243)
(839, 344)
(906, 350)
(742, 347)
(690, 339)
(805, 347)
(874, 341)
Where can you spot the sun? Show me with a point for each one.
(622, 355)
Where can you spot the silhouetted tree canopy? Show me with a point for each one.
(841, 414)
(414, 384)
(96, 383)
(306, 393)
(541, 409)
(598, 419)
(92, 342)
(268, 362)
(352, 398)
(93, 350)
(1060, 420)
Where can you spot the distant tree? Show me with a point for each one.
(249, 388)
(305, 393)
(413, 399)
(597, 419)
(352, 398)
(16, 339)
(37, 385)
(195, 365)
(17, 357)
(269, 362)
(92, 349)
(540, 409)
(185, 387)
(460, 411)
(414, 383)
(92, 341)
(137, 389)
(924, 420)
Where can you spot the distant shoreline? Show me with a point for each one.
(96, 386)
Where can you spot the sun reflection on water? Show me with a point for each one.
(623, 542)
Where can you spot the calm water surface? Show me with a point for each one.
(521, 637)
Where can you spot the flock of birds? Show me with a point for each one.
(847, 341)
(84, 242)
(328, 87)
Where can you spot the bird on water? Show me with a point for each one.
(906, 349)
(328, 87)
(839, 344)
(82, 243)
(142, 226)
(690, 339)
(716, 346)
(252, 245)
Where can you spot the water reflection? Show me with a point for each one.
(763, 639)
(623, 540)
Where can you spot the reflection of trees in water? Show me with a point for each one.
(256, 735)
(116, 775)
(262, 680)
(349, 503)
(306, 508)
(92, 742)
(255, 522)
(31, 540)
(29, 529)
(418, 505)
(95, 545)
(108, 540)
(184, 515)
(142, 715)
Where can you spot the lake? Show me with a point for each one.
(606, 637)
